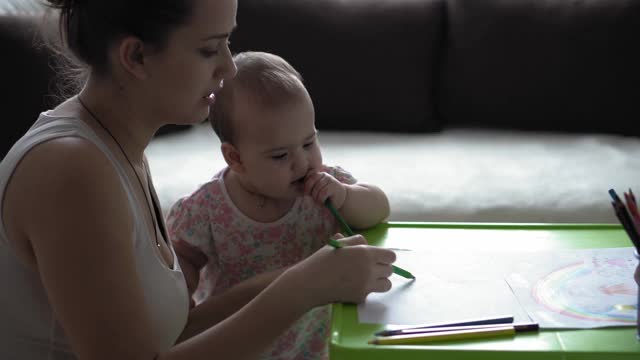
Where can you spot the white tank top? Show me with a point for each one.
(28, 329)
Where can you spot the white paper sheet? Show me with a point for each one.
(558, 289)
(448, 287)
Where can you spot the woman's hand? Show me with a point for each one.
(347, 274)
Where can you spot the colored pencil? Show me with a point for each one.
(519, 326)
(499, 320)
(396, 270)
(629, 217)
(627, 223)
(632, 207)
(634, 214)
(498, 331)
(614, 196)
(630, 225)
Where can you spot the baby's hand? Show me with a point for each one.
(322, 186)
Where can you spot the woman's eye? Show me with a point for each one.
(208, 52)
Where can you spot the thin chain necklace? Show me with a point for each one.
(261, 201)
(130, 164)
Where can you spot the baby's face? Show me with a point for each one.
(278, 146)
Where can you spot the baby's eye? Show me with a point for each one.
(279, 156)
(307, 145)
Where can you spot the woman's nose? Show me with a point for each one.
(227, 68)
(232, 69)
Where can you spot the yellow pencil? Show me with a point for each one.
(445, 336)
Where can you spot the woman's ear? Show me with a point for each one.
(131, 57)
(232, 157)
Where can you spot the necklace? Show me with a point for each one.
(95, 117)
(262, 201)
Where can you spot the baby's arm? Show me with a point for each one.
(361, 205)
(190, 235)
(191, 260)
(364, 206)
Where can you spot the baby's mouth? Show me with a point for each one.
(298, 182)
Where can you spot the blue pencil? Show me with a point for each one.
(481, 321)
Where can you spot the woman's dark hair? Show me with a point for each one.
(87, 28)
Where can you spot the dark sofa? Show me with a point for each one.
(401, 85)
(421, 65)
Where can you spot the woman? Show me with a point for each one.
(88, 271)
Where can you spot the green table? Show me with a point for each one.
(349, 337)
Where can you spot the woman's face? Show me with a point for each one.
(182, 77)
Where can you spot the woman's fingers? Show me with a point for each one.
(385, 256)
(350, 273)
(381, 285)
(353, 240)
(381, 271)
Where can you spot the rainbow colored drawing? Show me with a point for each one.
(592, 290)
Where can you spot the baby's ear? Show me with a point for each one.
(232, 157)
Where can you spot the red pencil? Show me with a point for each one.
(632, 206)
(627, 223)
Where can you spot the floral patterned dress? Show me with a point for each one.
(238, 248)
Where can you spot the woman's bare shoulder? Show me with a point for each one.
(63, 159)
(62, 179)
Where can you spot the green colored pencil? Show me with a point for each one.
(396, 270)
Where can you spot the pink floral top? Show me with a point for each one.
(239, 248)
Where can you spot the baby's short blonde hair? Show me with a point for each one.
(265, 79)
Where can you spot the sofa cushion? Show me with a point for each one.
(368, 64)
(26, 83)
(543, 64)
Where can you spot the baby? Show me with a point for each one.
(265, 211)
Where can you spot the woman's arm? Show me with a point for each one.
(217, 308)
(77, 219)
(347, 274)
